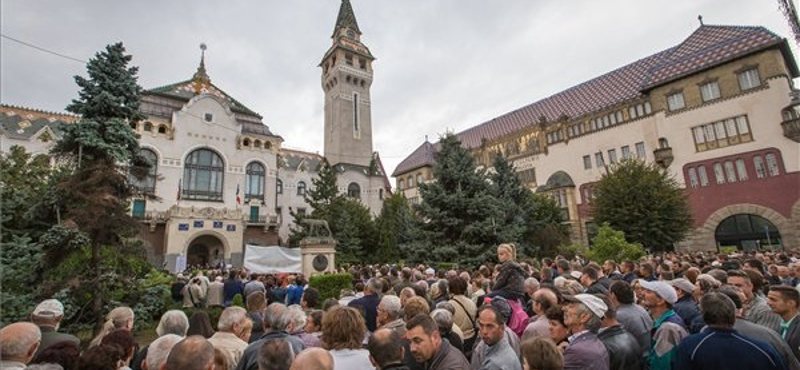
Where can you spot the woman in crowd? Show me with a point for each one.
(200, 324)
(64, 353)
(314, 323)
(558, 330)
(541, 354)
(256, 304)
(123, 339)
(343, 330)
(297, 324)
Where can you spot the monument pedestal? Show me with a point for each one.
(318, 256)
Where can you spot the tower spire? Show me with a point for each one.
(346, 18)
(200, 78)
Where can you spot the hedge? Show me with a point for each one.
(331, 285)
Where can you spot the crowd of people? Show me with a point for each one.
(669, 311)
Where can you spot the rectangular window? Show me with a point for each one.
(647, 108)
(632, 112)
(749, 79)
(701, 173)
(254, 213)
(612, 156)
(719, 174)
(693, 182)
(598, 158)
(675, 101)
(730, 173)
(626, 152)
(709, 91)
(587, 162)
(640, 109)
(730, 131)
(741, 170)
(138, 208)
(356, 127)
(742, 126)
(772, 164)
(761, 170)
(640, 150)
(593, 125)
(699, 137)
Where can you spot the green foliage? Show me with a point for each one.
(352, 225)
(23, 180)
(320, 196)
(21, 262)
(610, 244)
(644, 202)
(238, 301)
(330, 285)
(394, 226)
(569, 251)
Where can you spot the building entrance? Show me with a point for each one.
(205, 251)
(747, 232)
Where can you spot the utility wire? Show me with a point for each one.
(43, 49)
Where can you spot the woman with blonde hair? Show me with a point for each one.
(510, 281)
(118, 318)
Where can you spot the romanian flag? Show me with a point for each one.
(238, 198)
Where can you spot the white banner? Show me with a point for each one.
(272, 259)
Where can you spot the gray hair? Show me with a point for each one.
(594, 322)
(391, 305)
(375, 285)
(173, 322)
(231, 316)
(17, 339)
(275, 316)
(446, 305)
(443, 318)
(532, 283)
(295, 316)
(158, 351)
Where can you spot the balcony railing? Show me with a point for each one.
(663, 156)
(791, 129)
(262, 220)
(149, 216)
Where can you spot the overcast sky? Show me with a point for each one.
(441, 64)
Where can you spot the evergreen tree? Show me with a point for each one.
(23, 180)
(644, 202)
(322, 193)
(546, 228)
(102, 147)
(352, 226)
(393, 227)
(461, 214)
(514, 201)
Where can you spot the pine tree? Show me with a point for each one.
(461, 214)
(644, 202)
(393, 227)
(322, 193)
(513, 198)
(101, 147)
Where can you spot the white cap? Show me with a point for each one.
(49, 307)
(594, 304)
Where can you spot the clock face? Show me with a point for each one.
(320, 262)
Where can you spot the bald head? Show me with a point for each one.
(544, 299)
(192, 353)
(313, 359)
(386, 348)
(19, 342)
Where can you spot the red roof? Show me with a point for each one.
(707, 47)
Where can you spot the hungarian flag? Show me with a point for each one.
(238, 198)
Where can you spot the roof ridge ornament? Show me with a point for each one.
(700, 18)
(202, 82)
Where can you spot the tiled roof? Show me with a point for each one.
(185, 90)
(707, 47)
(292, 159)
(23, 123)
(346, 18)
(420, 157)
(387, 185)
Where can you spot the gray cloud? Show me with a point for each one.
(442, 64)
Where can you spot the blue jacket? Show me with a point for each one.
(716, 348)
(687, 309)
(293, 294)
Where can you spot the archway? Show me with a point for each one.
(747, 232)
(205, 251)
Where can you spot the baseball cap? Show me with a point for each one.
(576, 274)
(430, 271)
(664, 290)
(49, 307)
(594, 304)
(683, 284)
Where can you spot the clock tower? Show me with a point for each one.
(346, 80)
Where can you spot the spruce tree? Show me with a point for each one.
(322, 193)
(393, 226)
(461, 214)
(101, 147)
(644, 202)
(513, 199)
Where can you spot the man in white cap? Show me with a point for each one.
(669, 329)
(47, 316)
(685, 306)
(583, 316)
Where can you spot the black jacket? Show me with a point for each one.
(624, 352)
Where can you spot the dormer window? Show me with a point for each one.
(675, 101)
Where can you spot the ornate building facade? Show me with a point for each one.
(221, 177)
(718, 111)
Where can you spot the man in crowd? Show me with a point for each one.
(531, 285)
(276, 320)
(192, 353)
(784, 302)
(633, 317)
(623, 349)
(313, 359)
(369, 302)
(629, 272)
(390, 314)
(233, 332)
(756, 308)
(18, 344)
(159, 350)
(718, 346)
(294, 291)
(386, 350)
(610, 269)
(668, 326)
(254, 285)
(216, 292)
(428, 347)
(499, 355)
(582, 316)
(539, 326)
(275, 354)
(589, 279)
(47, 316)
(685, 306)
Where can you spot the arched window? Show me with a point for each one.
(301, 188)
(410, 181)
(203, 175)
(257, 144)
(246, 142)
(741, 170)
(354, 191)
(254, 186)
(279, 186)
(730, 173)
(162, 129)
(401, 184)
(419, 179)
(147, 184)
